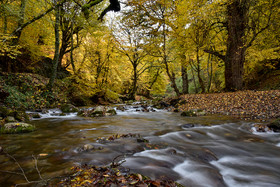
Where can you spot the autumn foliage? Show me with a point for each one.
(243, 104)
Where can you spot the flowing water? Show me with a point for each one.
(195, 151)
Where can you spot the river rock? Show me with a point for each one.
(111, 112)
(98, 111)
(10, 119)
(21, 116)
(161, 105)
(88, 147)
(67, 108)
(10, 128)
(121, 108)
(261, 128)
(13, 115)
(36, 115)
(188, 125)
(275, 125)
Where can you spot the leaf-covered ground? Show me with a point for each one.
(111, 177)
(28, 91)
(243, 104)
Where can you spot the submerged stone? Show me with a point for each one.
(187, 126)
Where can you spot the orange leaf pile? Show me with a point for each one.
(107, 176)
(243, 104)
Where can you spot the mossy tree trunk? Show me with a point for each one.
(56, 55)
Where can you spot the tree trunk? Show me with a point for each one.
(134, 83)
(202, 86)
(65, 39)
(72, 48)
(237, 20)
(185, 79)
(209, 72)
(171, 75)
(194, 82)
(56, 55)
(184, 70)
(154, 80)
(98, 68)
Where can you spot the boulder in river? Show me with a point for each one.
(161, 105)
(121, 108)
(36, 115)
(188, 125)
(98, 111)
(111, 112)
(11, 128)
(87, 147)
(13, 115)
(275, 125)
(260, 128)
(67, 108)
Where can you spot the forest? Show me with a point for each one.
(181, 92)
(120, 49)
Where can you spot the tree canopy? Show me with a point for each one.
(150, 47)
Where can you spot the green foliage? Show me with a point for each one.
(169, 33)
(111, 95)
(170, 90)
(27, 91)
(16, 99)
(6, 47)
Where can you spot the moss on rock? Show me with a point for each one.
(67, 108)
(12, 128)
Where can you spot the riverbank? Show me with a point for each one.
(27, 91)
(262, 105)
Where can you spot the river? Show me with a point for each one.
(202, 151)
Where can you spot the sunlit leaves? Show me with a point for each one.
(6, 49)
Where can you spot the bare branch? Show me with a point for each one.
(37, 169)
